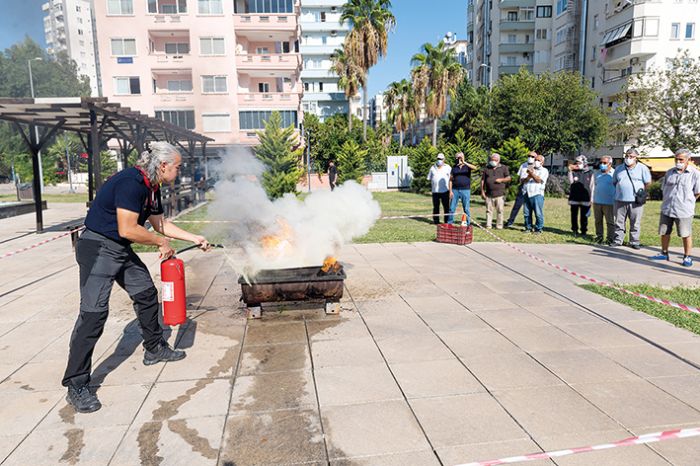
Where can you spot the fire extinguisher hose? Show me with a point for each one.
(194, 246)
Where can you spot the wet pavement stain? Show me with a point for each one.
(75, 446)
(148, 438)
(27, 387)
(191, 436)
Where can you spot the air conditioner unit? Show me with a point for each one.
(634, 61)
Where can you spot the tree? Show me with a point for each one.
(277, 153)
(420, 159)
(350, 75)
(513, 153)
(402, 106)
(435, 77)
(662, 107)
(471, 112)
(351, 162)
(367, 41)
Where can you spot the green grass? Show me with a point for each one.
(72, 198)
(680, 294)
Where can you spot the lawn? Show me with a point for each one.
(680, 294)
(72, 198)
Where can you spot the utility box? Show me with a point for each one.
(397, 172)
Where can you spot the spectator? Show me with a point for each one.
(629, 179)
(603, 200)
(534, 180)
(520, 198)
(439, 177)
(332, 174)
(581, 180)
(493, 189)
(681, 189)
(460, 186)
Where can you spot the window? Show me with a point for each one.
(562, 6)
(320, 87)
(180, 85)
(527, 14)
(124, 47)
(689, 30)
(323, 16)
(651, 27)
(216, 122)
(177, 48)
(262, 50)
(306, 86)
(212, 45)
(181, 118)
(120, 7)
(80, 32)
(267, 6)
(77, 8)
(210, 7)
(544, 11)
(180, 6)
(675, 30)
(264, 87)
(127, 86)
(561, 35)
(512, 16)
(285, 47)
(80, 20)
(214, 84)
(510, 61)
(595, 22)
(541, 34)
(255, 119)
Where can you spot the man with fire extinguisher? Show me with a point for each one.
(116, 219)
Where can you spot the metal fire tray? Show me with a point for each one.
(292, 285)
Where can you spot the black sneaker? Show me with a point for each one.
(636, 246)
(82, 399)
(164, 354)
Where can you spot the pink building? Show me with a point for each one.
(218, 67)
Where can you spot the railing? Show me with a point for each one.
(292, 60)
(175, 199)
(269, 98)
(275, 21)
(164, 58)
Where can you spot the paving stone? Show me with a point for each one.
(647, 361)
(9, 443)
(270, 392)
(638, 404)
(533, 298)
(462, 419)
(584, 366)
(663, 332)
(393, 325)
(119, 369)
(22, 411)
(463, 454)
(435, 378)
(477, 301)
(34, 377)
(414, 348)
(354, 385)
(556, 410)
(337, 329)
(541, 339)
(429, 304)
(371, 429)
(508, 318)
(477, 343)
(279, 437)
(511, 370)
(294, 332)
(683, 387)
(274, 358)
(346, 352)
(564, 315)
(414, 458)
(201, 364)
(451, 321)
(680, 452)
(619, 312)
(601, 335)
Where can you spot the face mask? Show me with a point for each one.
(629, 162)
(680, 165)
(603, 167)
(493, 163)
(440, 162)
(538, 164)
(530, 160)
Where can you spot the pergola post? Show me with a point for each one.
(206, 162)
(94, 150)
(34, 147)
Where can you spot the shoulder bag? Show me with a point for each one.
(640, 195)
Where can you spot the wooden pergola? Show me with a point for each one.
(96, 121)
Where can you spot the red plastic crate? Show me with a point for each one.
(454, 234)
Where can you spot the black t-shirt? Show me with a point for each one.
(461, 177)
(332, 173)
(125, 190)
(490, 175)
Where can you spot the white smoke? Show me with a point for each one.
(286, 232)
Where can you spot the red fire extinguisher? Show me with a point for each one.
(172, 273)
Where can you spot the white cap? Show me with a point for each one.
(441, 156)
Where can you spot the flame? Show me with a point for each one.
(328, 264)
(279, 244)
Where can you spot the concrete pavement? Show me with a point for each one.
(441, 355)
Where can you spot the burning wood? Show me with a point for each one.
(330, 266)
(280, 244)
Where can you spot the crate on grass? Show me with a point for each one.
(454, 234)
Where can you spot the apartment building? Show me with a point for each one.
(377, 110)
(218, 67)
(321, 35)
(629, 37)
(68, 27)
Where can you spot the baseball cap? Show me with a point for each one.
(441, 156)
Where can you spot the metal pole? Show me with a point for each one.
(70, 178)
(308, 156)
(36, 128)
(34, 139)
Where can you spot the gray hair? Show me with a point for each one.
(683, 151)
(632, 150)
(157, 153)
(608, 157)
(495, 155)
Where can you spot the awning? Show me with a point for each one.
(659, 164)
(616, 34)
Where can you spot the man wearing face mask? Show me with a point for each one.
(603, 201)
(681, 189)
(494, 179)
(628, 179)
(439, 177)
(520, 198)
(534, 179)
(460, 185)
(581, 181)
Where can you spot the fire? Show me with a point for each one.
(280, 243)
(330, 265)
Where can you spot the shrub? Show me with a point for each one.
(420, 159)
(557, 186)
(277, 153)
(351, 162)
(513, 153)
(655, 191)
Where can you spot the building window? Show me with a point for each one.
(80, 32)
(510, 61)
(320, 87)
(267, 6)
(77, 8)
(306, 86)
(527, 14)
(210, 7)
(180, 85)
(511, 38)
(177, 48)
(323, 16)
(80, 20)
(127, 86)
(124, 47)
(264, 87)
(689, 30)
(512, 15)
(120, 7)
(181, 118)
(541, 34)
(595, 22)
(562, 6)
(212, 45)
(216, 122)
(675, 30)
(544, 11)
(180, 6)
(214, 84)
(255, 119)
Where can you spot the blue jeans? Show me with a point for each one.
(534, 204)
(464, 196)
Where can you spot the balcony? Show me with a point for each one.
(506, 25)
(323, 3)
(338, 96)
(255, 23)
(622, 53)
(317, 73)
(272, 62)
(318, 49)
(277, 100)
(513, 69)
(328, 26)
(516, 48)
(172, 86)
(506, 4)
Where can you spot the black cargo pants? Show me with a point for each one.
(103, 261)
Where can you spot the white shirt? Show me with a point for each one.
(522, 173)
(533, 188)
(439, 178)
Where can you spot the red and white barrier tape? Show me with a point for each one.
(395, 217)
(9, 254)
(653, 299)
(639, 440)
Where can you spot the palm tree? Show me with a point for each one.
(350, 76)
(436, 75)
(367, 41)
(401, 104)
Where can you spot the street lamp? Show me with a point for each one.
(36, 128)
(488, 68)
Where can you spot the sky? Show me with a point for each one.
(417, 22)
